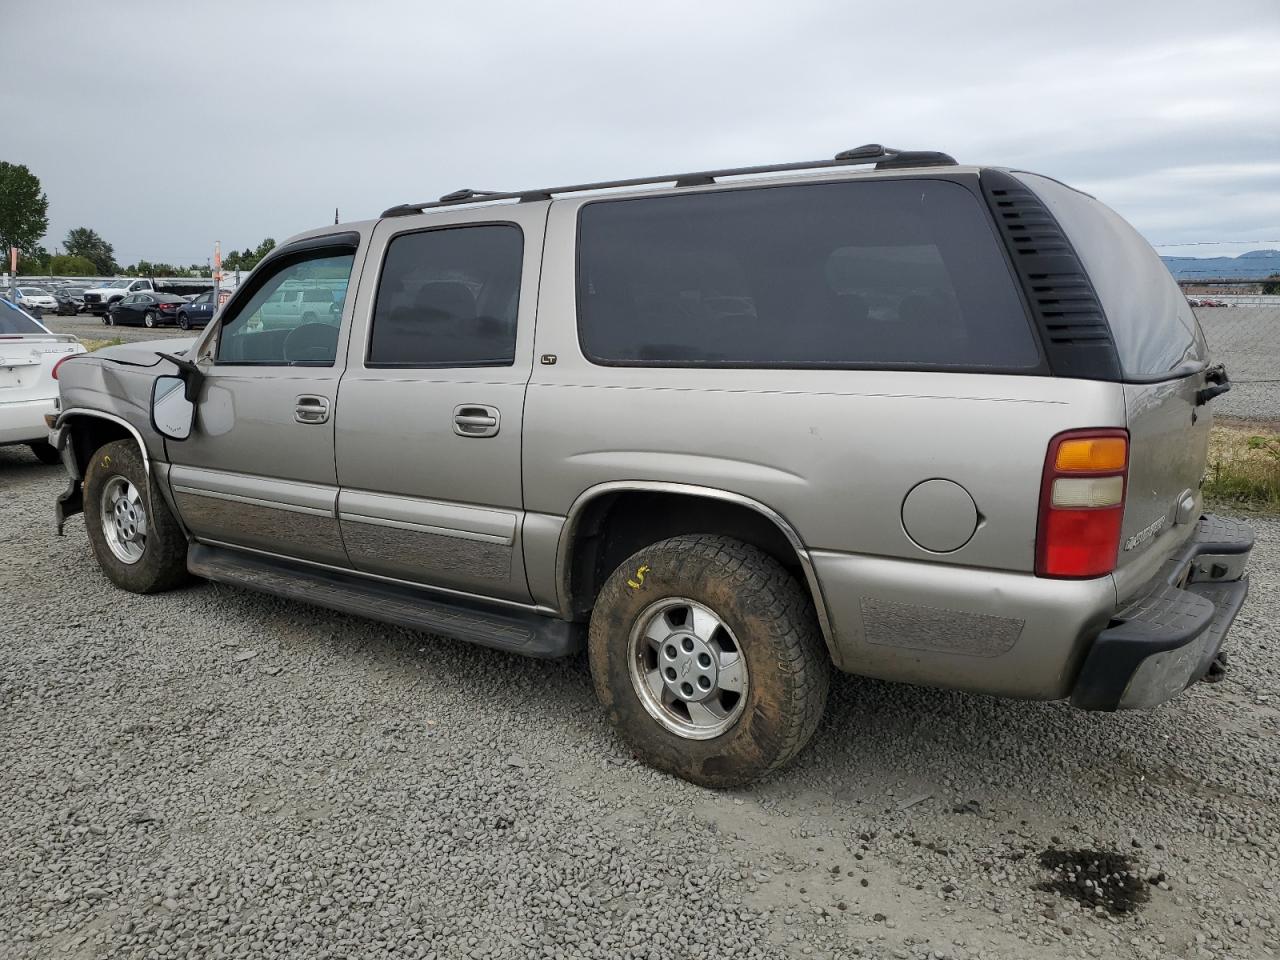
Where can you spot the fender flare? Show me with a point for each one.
(569, 531)
(71, 501)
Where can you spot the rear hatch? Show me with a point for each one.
(1162, 360)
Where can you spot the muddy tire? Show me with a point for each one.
(45, 452)
(135, 538)
(668, 628)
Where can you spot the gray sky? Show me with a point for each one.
(166, 126)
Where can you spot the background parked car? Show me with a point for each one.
(148, 309)
(70, 299)
(197, 312)
(35, 298)
(29, 357)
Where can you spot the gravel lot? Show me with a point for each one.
(213, 773)
(88, 327)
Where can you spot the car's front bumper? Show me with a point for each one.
(1164, 641)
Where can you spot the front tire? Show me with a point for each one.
(706, 653)
(183, 322)
(135, 538)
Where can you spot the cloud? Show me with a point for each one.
(171, 127)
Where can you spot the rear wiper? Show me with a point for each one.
(1221, 383)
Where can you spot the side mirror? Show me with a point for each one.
(172, 414)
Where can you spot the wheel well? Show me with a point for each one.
(613, 526)
(89, 434)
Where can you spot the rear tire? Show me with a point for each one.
(119, 503)
(762, 613)
(45, 452)
(149, 319)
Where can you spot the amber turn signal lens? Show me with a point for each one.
(1092, 453)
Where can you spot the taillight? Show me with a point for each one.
(166, 306)
(54, 371)
(1082, 503)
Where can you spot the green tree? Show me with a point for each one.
(24, 210)
(68, 265)
(34, 261)
(248, 258)
(83, 242)
(1272, 289)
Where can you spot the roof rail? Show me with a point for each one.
(885, 158)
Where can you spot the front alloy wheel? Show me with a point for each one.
(124, 519)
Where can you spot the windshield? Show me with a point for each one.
(15, 321)
(118, 283)
(33, 291)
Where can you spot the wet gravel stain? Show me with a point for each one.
(1095, 878)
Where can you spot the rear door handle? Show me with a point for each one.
(311, 409)
(476, 420)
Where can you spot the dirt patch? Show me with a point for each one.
(1095, 878)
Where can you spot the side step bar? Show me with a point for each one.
(531, 634)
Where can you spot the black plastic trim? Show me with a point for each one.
(1064, 305)
(1135, 634)
(504, 628)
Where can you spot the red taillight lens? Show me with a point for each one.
(1082, 497)
(54, 371)
(166, 306)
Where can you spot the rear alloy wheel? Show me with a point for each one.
(706, 653)
(135, 539)
(149, 318)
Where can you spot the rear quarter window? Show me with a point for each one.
(888, 273)
(1154, 329)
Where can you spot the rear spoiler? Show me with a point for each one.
(41, 337)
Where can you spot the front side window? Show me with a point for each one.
(274, 328)
(899, 274)
(448, 298)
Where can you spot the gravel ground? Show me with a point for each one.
(88, 327)
(1247, 340)
(213, 773)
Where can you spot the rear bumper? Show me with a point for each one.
(1164, 641)
(22, 421)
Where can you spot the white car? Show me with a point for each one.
(37, 297)
(30, 354)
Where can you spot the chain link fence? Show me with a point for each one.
(1242, 326)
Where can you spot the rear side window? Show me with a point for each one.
(1155, 332)
(14, 321)
(448, 298)
(896, 273)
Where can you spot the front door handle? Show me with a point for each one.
(311, 409)
(476, 420)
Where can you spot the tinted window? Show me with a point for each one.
(903, 273)
(1151, 322)
(14, 321)
(267, 329)
(448, 298)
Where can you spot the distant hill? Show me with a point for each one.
(1254, 265)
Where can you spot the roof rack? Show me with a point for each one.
(885, 158)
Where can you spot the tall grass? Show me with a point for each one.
(1244, 469)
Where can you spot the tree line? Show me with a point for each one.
(24, 218)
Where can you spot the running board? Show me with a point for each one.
(531, 634)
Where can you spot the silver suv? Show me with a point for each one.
(910, 419)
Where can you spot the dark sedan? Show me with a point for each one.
(148, 309)
(198, 312)
(70, 300)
